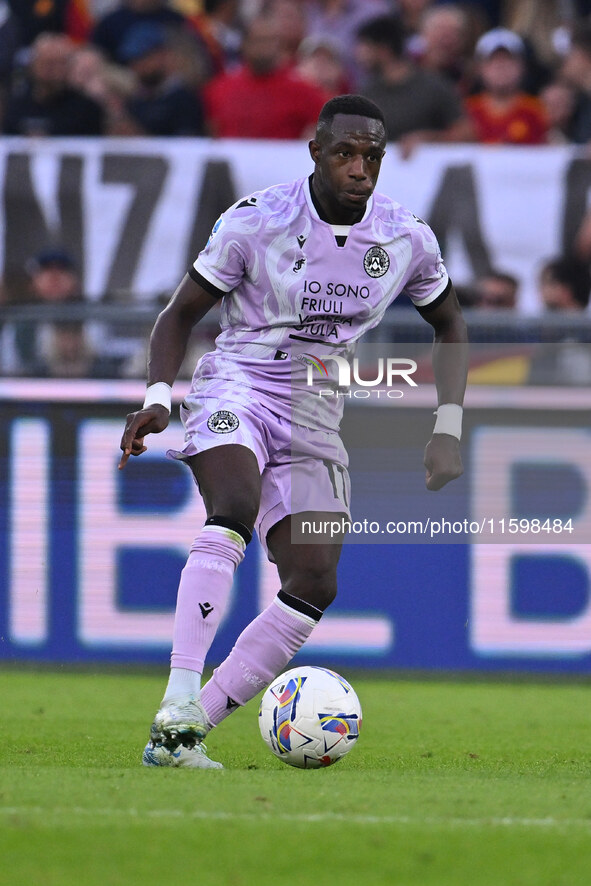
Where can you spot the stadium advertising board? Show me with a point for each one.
(90, 557)
(134, 213)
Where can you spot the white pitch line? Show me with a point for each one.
(314, 818)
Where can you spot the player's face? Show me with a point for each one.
(347, 164)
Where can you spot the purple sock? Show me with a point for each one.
(261, 652)
(203, 594)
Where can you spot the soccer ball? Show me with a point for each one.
(310, 717)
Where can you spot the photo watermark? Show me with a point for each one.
(361, 434)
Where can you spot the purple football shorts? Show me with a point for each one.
(301, 469)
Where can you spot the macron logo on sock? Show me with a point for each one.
(206, 609)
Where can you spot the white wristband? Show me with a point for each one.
(159, 393)
(449, 420)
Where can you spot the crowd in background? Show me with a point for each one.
(481, 71)
(488, 71)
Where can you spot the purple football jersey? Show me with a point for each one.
(294, 284)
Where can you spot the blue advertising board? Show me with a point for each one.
(90, 556)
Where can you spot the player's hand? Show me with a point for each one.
(151, 420)
(442, 461)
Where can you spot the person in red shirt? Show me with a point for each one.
(263, 98)
(503, 113)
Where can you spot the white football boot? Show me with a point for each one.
(180, 721)
(189, 758)
(176, 735)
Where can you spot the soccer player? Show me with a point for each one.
(262, 454)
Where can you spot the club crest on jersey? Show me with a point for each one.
(376, 261)
(222, 422)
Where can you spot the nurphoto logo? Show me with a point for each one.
(388, 371)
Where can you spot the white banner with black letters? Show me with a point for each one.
(135, 212)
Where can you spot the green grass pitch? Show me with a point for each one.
(451, 784)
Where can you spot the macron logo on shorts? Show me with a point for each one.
(223, 422)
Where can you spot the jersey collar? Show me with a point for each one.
(316, 209)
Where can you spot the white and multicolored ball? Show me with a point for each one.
(310, 717)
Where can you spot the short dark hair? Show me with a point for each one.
(502, 277)
(356, 105)
(385, 30)
(572, 273)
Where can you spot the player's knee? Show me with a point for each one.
(230, 487)
(316, 584)
(239, 508)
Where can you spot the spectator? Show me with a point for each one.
(61, 347)
(69, 354)
(339, 20)
(161, 103)
(503, 113)
(564, 285)
(112, 30)
(496, 290)
(560, 101)
(219, 28)
(542, 23)
(52, 279)
(106, 83)
(263, 98)
(291, 24)
(419, 106)
(576, 71)
(320, 62)
(44, 103)
(190, 57)
(443, 46)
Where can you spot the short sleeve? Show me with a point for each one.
(224, 261)
(429, 278)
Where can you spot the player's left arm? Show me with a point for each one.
(443, 461)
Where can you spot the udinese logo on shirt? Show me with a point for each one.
(376, 261)
(222, 422)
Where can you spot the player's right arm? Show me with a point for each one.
(167, 349)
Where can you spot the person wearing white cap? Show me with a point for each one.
(499, 38)
(503, 113)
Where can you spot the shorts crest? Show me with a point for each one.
(223, 422)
